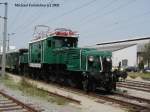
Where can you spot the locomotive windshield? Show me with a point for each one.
(107, 64)
(65, 41)
(98, 64)
(94, 63)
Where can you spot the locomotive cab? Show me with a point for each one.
(99, 72)
(59, 42)
(94, 64)
(64, 38)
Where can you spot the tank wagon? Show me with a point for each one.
(56, 57)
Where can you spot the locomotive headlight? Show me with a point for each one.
(91, 58)
(108, 59)
(121, 69)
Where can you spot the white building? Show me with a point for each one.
(127, 56)
(128, 52)
(10, 48)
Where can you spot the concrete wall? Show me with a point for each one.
(129, 54)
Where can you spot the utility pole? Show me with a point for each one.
(8, 39)
(4, 39)
(8, 43)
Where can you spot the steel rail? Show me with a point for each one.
(106, 98)
(135, 85)
(135, 106)
(138, 82)
(62, 96)
(132, 87)
(133, 97)
(18, 103)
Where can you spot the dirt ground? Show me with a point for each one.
(87, 104)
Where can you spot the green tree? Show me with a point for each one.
(146, 54)
(141, 65)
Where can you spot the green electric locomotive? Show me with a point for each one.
(56, 57)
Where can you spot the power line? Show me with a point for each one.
(102, 8)
(113, 9)
(31, 20)
(119, 7)
(106, 13)
(26, 19)
(16, 16)
(66, 13)
(73, 10)
(129, 20)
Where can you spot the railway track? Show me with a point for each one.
(134, 103)
(65, 97)
(138, 83)
(11, 104)
(134, 85)
(137, 104)
(133, 97)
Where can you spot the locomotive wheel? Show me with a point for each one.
(43, 75)
(108, 90)
(92, 86)
(109, 87)
(114, 86)
(53, 77)
(71, 83)
(85, 84)
(62, 80)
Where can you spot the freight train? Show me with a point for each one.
(56, 57)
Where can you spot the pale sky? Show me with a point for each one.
(95, 20)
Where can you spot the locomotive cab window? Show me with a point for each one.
(65, 42)
(107, 64)
(49, 43)
(53, 44)
(39, 46)
(94, 63)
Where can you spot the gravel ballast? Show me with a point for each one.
(87, 104)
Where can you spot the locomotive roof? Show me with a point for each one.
(40, 39)
(37, 40)
(59, 32)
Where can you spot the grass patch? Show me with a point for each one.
(9, 82)
(131, 109)
(58, 100)
(145, 76)
(30, 89)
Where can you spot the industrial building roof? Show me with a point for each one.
(136, 40)
(113, 48)
(118, 45)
